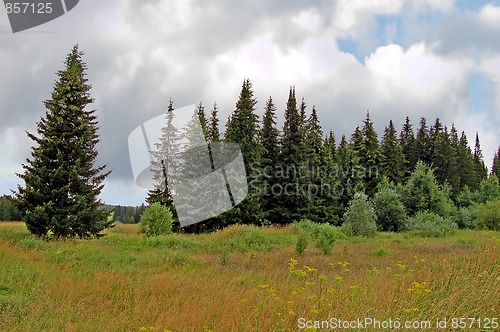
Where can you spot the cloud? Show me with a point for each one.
(409, 58)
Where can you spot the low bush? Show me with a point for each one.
(429, 224)
(156, 220)
(487, 216)
(323, 236)
(360, 218)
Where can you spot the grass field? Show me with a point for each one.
(242, 279)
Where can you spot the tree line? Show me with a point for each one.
(294, 173)
(299, 172)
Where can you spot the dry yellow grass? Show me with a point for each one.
(125, 283)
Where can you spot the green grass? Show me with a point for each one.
(242, 278)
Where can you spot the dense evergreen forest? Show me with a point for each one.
(300, 172)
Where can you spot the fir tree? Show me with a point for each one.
(495, 168)
(392, 155)
(331, 146)
(370, 156)
(165, 163)
(243, 129)
(464, 164)
(62, 184)
(269, 135)
(407, 142)
(423, 143)
(213, 125)
(269, 139)
(479, 169)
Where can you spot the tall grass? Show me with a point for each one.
(242, 278)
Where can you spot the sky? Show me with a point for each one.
(395, 58)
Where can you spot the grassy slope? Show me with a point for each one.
(239, 279)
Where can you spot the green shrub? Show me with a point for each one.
(463, 218)
(325, 238)
(156, 220)
(389, 209)
(429, 224)
(487, 216)
(360, 217)
(302, 242)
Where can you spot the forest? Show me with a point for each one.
(299, 172)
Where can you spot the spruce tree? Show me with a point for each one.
(392, 155)
(243, 129)
(495, 168)
(370, 156)
(61, 181)
(292, 162)
(464, 164)
(269, 139)
(407, 141)
(331, 145)
(350, 174)
(213, 125)
(479, 169)
(423, 143)
(165, 164)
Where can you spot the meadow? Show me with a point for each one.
(244, 278)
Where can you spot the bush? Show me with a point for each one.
(323, 235)
(156, 220)
(463, 218)
(422, 192)
(302, 242)
(429, 224)
(325, 238)
(360, 217)
(390, 211)
(487, 216)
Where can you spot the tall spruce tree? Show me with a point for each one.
(478, 166)
(213, 125)
(495, 168)
(370, 156)
(423, 143)
(61, 181)
(464, 164)
(165, 163)
(392, 155)
(243, 129)
(331, 146)
(291, 162)
(269, 139)
(407, 142)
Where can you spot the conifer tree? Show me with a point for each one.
(479, 169)
(370, 157)
(269, 135)
(495, 168)
(269, 139)
(464, 164)
(291, 161)
(349, 172)
(423, 143)
(243, 129)
(213, 125)
(331, 145)
(165, 164)
(392, 155)
(407, 142)
(61, 182)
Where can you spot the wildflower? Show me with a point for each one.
(322, 277)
